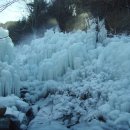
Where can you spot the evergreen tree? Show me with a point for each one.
(38, 14)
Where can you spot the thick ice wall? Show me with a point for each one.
(6, 47)
(115, 59)
(9, 79)
(50, 57)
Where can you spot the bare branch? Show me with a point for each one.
(4, 6)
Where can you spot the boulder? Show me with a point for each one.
(9, 122)
(2, 111)
(14, 123)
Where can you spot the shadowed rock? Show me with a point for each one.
(2, 111)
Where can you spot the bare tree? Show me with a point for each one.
(3, 7)
(7, 4)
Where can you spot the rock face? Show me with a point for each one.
(2, 111)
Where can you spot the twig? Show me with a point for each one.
(3, 7)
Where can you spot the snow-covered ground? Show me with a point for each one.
(74, 82)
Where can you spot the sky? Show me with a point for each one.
(14, 12)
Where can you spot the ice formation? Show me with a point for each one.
(76, 81)
(50, 57)
(6, 47)
(9, 80)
